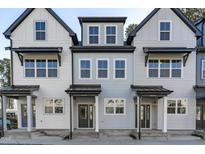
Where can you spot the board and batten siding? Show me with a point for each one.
(56, 36)
(102, 33)
(182, 36)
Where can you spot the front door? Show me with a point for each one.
(144, 115)
(24, 115)
(200, 116)
(85, 116)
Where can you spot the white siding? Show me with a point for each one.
(57, 36)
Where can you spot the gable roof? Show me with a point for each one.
(176, 11)
(28, 11)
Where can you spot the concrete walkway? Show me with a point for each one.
(109, 141)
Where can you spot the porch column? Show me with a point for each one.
(29, 113)
(96, 114)
(165, 115)
(72, 112)
(4, 111)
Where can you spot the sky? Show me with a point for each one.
(70, 17)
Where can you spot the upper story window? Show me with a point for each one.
(102, 68)
(203, 69)
(110, 34)
(40, 30)
(165, 68)
(120, 69)
(85, 68)
(29, 68)
(52, 68)
(165, 30)
(41, 68)
(93, 34)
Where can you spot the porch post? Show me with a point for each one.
(138, 116)
(29, 113)
(96, 114)
(165, 115)
(4, 112)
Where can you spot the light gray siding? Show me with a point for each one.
(102, 33)
(111, 88)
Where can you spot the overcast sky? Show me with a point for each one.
(70, 16)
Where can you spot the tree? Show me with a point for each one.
(194, 13)
(5, 71)
(129, 29)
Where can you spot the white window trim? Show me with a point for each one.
(177, 114)
(35, 68)
(79, 68)
(170, 73)
(88, 34)
(116, 30)
(42, 31)
(44, 105)
(114, 114)
(170, 21)
(24, 68)
(108, 68)
(202, 68)
(114, 69)
(46, 68)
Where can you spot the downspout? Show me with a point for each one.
(2, 121)
(11, 67)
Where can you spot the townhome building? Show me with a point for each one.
(200, 77)
(103, 82)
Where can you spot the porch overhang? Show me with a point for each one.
(150, 91)
(18, 90)
(23, 50)
(84, 89)
(168, 50)
(200, 91)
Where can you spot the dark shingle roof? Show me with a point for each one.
(37, 49)
(84, 89)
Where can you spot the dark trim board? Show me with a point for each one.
(102, 19)
(105, 49)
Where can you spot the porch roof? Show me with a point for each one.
(84, 89)
(150, 91)
(19, 90)
(200, 91)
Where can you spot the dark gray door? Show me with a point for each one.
(200, 116)
(85, 116)
(24, 115)
(144, 116)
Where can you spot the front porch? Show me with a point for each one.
(84, 107)
(26, 118)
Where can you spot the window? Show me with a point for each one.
(102, 68)
(110, 34)
(153, 68)
(52, 68)
(85, 69)
(54, 106)
(29, 68)
(165, 30)
(115, 106)
(176, 68)
(203, 69)
(164, 68)
(177, 106)
(41, 68)
(93, 34)
(40, 29)
(119, 72)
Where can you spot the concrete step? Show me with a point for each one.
(17, 134)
